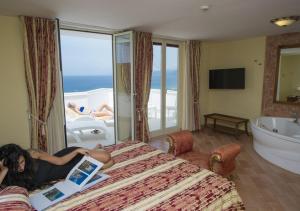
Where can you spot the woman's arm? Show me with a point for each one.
(58, 160)
(3, 171)
(75, 109)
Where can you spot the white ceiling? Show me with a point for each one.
(183, 19)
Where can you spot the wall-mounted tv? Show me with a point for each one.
(233, 78)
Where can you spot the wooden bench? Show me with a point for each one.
(228, 120)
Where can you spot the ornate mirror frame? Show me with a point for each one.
(271, 107)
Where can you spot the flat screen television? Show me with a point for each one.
(233, 78)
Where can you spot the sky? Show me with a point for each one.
(85, 54)
(171, 58)
(156, 58)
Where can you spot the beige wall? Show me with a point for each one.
(248, 53)
(13, 116)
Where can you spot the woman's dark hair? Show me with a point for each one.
(10, 155)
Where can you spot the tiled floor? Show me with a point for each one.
(262, 185)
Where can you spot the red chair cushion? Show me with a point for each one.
(182, 142)
(228, 152)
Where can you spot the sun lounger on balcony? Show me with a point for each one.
(81, 125)
(109, 123)
(72, 116)
(76, 124)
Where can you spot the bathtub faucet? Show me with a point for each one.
(295, 115)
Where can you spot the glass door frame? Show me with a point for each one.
(75, 29)
(113, 34)
(132, 84)
(164, 42)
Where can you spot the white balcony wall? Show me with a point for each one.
(171, 98)
(154, 109)
(154, 104)
(92, 99)
(171, 108)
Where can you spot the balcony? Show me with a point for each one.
(85, 130)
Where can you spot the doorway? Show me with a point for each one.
(88, 88)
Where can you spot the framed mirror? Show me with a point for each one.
(288, 75)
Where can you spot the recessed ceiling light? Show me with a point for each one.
(285, 21)
(204, 8)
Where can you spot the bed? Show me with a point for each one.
(144, 178)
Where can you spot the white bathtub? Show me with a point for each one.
(278, 141)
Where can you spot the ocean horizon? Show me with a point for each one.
(90, 82)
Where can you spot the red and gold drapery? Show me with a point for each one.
(194, 49)
(40, 52)
(143, 56)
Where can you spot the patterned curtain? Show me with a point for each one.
(143, 57)
(125, 77)
(194, 51)
(40, 51)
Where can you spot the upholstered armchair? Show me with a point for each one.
(220, 160)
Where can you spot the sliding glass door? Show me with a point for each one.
(163, 100)
(124, 86)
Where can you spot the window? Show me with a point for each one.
(154, 104)
(171, 85)
(163, 100)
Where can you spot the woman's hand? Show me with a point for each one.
(83, 151)
(2, 167)
(3, 171)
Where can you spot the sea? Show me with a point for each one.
(90, 82)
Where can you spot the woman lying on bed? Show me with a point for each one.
(32, 169)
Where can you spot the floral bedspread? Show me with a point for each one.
(144, 178)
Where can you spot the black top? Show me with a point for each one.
(45, 172)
